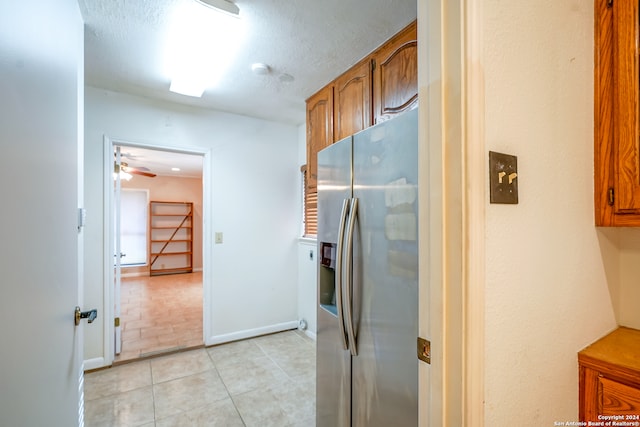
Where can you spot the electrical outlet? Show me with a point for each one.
(503, 178)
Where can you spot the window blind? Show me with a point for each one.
(310, 197)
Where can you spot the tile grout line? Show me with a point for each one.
(233, 402)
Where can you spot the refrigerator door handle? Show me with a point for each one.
(338, 272)
(349, 277)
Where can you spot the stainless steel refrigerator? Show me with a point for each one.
(367, 368)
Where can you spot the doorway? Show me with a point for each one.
(154, 313)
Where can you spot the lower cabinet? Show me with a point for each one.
(610, 378)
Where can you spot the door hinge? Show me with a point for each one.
(116, 322)
(611, 196)
(424, 350)
(609, 3)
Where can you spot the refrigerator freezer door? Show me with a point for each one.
(333, 361)
(385, 371)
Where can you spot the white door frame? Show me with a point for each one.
(452, 161)
(117, 250)
(108, 292)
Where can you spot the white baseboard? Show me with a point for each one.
(311, 335)
(95, 363)
(251, 333)
(99, 362)
(146, 273)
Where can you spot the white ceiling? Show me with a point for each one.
(312, 40)
(161, 162)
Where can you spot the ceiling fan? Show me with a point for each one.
(124, 169)
(139, 170)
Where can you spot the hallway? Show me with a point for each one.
(160, 314)
(264, 381)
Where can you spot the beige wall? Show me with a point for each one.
(627, 299)
(547, 267)
(173, 189)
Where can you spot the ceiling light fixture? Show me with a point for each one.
(202, 43)
(222, 5)
(123, 175)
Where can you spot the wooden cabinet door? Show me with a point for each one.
(625, 108)
(395, 75)
(353, 100)
(319, 130)
(617, 110)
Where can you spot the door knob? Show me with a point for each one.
(89, 315)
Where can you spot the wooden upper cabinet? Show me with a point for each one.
(395, 75)
(319, 130)
(353, 100)
(616, 95)
(383, 84)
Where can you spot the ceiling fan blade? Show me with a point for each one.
(140, 172)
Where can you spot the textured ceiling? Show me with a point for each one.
(311, 40)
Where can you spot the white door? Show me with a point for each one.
(41, 119)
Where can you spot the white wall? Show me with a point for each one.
(255, 203)
(547, 267)
(307, 261)
(307, 288)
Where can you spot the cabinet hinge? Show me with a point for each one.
(116, 322)
(373, 65)
(609, 3)
(424, 350)
(611, 196)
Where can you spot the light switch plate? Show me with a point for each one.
(503, 178)
(218, 237)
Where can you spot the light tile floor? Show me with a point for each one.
(160, 314)
(264, 381)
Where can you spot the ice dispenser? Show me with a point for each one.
(327, 277)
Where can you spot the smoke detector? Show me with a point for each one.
(260, 69)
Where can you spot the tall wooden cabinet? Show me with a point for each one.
(170, 237)
(381, 85)
(617, 114)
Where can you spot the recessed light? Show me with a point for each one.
(175, 169)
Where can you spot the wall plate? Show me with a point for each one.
(503, 178)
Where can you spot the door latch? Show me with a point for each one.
(89, 315)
